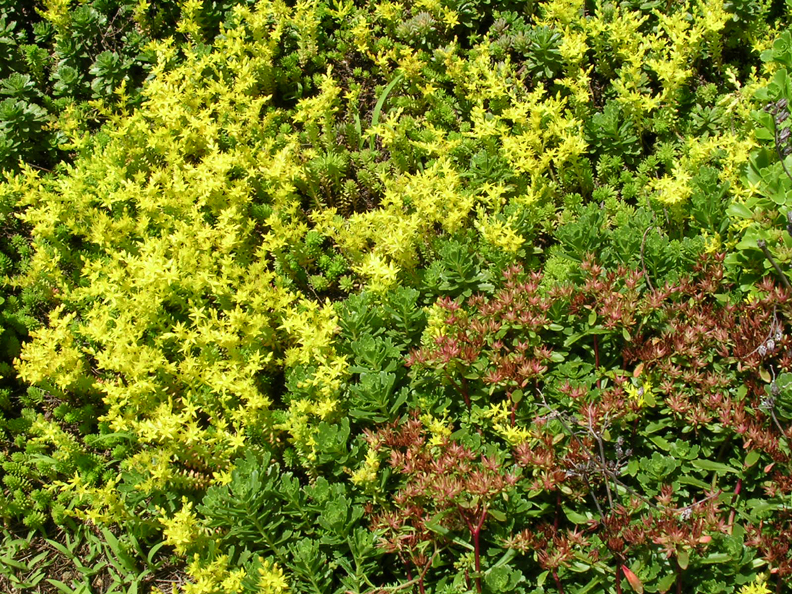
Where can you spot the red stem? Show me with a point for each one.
(618, 578)
(409, 573)
(679, 577)
(558, 582)
(465, 518)
(465, 392)
(461, 389)
(477, 547)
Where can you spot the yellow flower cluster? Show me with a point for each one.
(758, 586)
(367, 473)
(439, 429)
(181, 531)
(641, 394)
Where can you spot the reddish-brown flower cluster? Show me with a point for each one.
(774, 542)
(498, 336)
(554, 548)
(613, 296)
(710, 361)
(446, 483)
(702, 346)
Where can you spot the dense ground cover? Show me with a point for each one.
(427, 296)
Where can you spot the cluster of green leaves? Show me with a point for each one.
(764, 216)
(80, 561)
(58, 58)
(316, 531)
(17, 308)
(22, 497)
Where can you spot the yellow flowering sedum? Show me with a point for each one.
(219, 576)
(499, 233)
(674, 188)
(271, 579)
(439, 429)
(381, 274)
(367, 473)
(499, 414)
(758, 586)
(175, 309)
(181, 531)
(640, 394)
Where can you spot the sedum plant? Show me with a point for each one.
(635, 428)
(223, 281)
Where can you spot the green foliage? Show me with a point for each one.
(226, 226)
(643, 236)
(62, 54)
(307, 529)
(458, 270)
(79, 561)
(764, 216)
(612, 134)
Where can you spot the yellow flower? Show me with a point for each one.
(233, 581)
(381, 273)
(713, 243)
(182, 529)
(450, 18)
(388, 10)
(436, 326)
(573, 47)
(673, 189)
(367, 473)
(271, 579)
(428, 90)
(438, 428)
(641, 394)
(758, 586)
(499, 233)
(513, 434)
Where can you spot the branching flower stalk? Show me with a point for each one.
(762, 245)
(781, 136)
(474, 525)
(444, 482)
